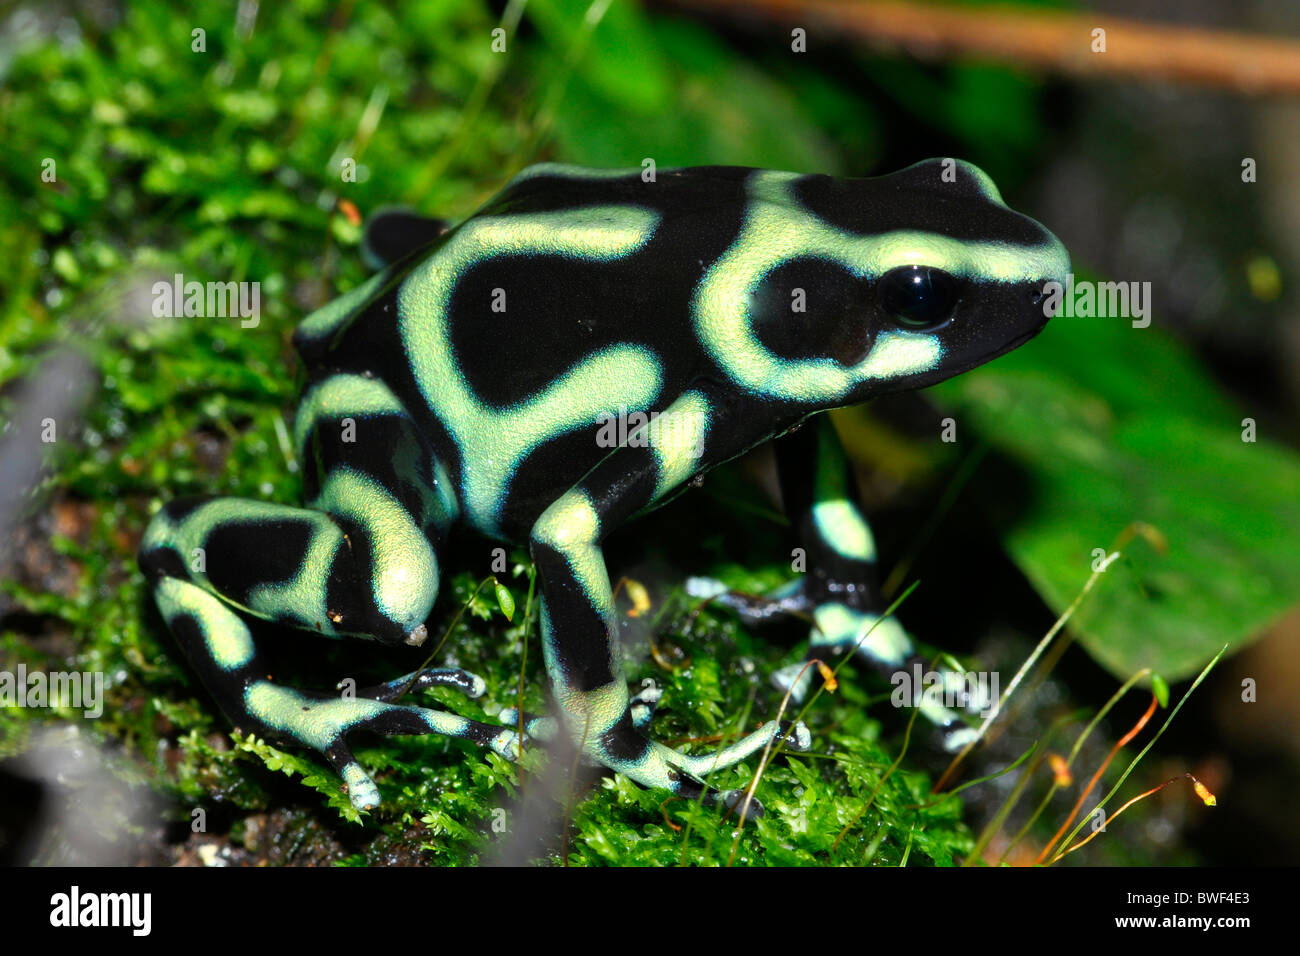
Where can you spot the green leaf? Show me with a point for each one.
(1110, 425)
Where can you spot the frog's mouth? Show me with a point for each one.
(1032, 320)
(1009, 316)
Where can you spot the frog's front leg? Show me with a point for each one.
(579, 631)
(839, 590)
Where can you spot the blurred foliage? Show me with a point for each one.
(226, 164)
(1112, 425)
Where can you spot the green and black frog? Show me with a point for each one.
(471, 381)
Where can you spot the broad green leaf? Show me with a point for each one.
(1112, 425)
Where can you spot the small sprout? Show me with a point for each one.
(1160, 687)
(505, 600)
(1060, 770)
(1204, 793)
(350, 211)
(828, 676)
(639, 597)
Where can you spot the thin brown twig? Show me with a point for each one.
(1055, 41)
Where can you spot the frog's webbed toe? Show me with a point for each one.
(628, 750)
(644, 704)
(219, 644)
(755, 610)
(469, 684)
(325, 724)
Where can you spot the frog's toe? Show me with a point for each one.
(506, 743)
(644, 704)
(735, 802)
(361, 788)
(469, 684)
(326, 723)
(701, 765)
(796, 735)
(536, 728)
(477, 686)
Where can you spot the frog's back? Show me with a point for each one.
(515, 338)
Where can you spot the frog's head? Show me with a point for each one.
(859, 287)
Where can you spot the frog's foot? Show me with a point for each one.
(795, 734)
(545, 729)
(325, 723)
(219, 644)
(940, 694)
(535, 727)
(471, 685)
(626, 749)
(642, 708)
(839, 629)
(789, 600)
(944, 695)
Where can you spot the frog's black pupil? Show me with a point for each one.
(918, 296)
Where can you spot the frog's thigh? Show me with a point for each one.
(361, 559)
(579, 631)
(369, 466)
(297, 566)
(221, 649)
(361, 447)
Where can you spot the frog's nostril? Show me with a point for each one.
(1040, 292)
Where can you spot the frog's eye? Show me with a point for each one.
(917, 296)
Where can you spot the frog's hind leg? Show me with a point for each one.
(839, 591)
(220, 647)
(368, 466)
(360, 562)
